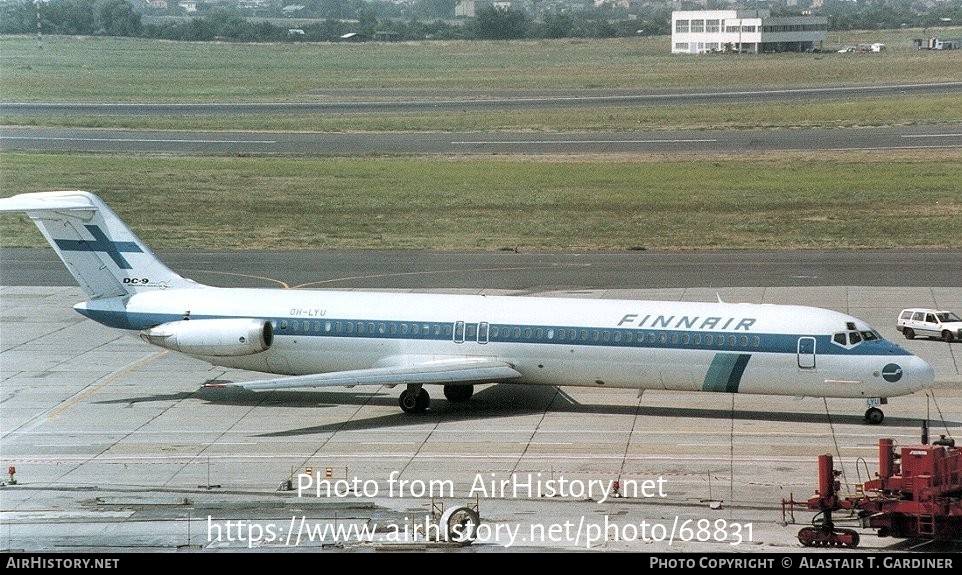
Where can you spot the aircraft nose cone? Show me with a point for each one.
(921, 374)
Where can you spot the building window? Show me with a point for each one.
(697, 26)
(681, 46)
(681, 26)
(712, 25)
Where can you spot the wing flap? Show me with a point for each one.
(448, 371)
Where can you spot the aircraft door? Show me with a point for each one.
(470, 332)
(806, 352)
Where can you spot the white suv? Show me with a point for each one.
(930, 323)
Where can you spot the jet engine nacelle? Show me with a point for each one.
(212, 337)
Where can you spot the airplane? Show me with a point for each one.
(321, 338)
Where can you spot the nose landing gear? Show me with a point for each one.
(874, 415)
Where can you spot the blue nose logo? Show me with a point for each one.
(892, 372)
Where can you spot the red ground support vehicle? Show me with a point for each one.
(917, 493)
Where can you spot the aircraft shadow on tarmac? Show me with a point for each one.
(500, 400)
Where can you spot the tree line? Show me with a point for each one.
(364, 18)
(118, 18)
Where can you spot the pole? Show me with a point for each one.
(39, 32)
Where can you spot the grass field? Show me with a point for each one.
(853, 200)
(70, 69)
(882, 111)
(768, 201)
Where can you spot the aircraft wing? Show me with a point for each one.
(466, 370)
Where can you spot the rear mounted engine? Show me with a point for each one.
(212, 337)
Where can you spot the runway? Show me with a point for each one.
(318, 143)
(117, 445)
(519, 142)
(525, 271)
(407, 100)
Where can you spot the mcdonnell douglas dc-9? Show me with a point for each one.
(320, 338)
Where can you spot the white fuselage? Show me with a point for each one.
(743, 348)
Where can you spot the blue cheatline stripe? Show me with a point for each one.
(725, 372)
(517, 333)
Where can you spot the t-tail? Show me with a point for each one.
(103, 255)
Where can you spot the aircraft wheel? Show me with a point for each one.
(460, 525)
(414, 402)
(423, 401)
(458, 393)
(909, 333)
(874, 416)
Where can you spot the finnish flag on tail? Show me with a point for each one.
(99, 250)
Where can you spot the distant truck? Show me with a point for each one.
(937, 44)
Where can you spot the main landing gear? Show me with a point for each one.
(415, 398)
(458, 393)
(874, 415)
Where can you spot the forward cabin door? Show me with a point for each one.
(806, 352)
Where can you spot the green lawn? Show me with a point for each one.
(851, 200)
(94, 69)
(99, 69)
(770, 201)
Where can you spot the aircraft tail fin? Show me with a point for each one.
(105, 257)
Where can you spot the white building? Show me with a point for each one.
(700, 31)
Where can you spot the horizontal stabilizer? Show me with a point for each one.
(54, 201)
(447, 371)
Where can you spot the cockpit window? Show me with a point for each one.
(853, 338)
